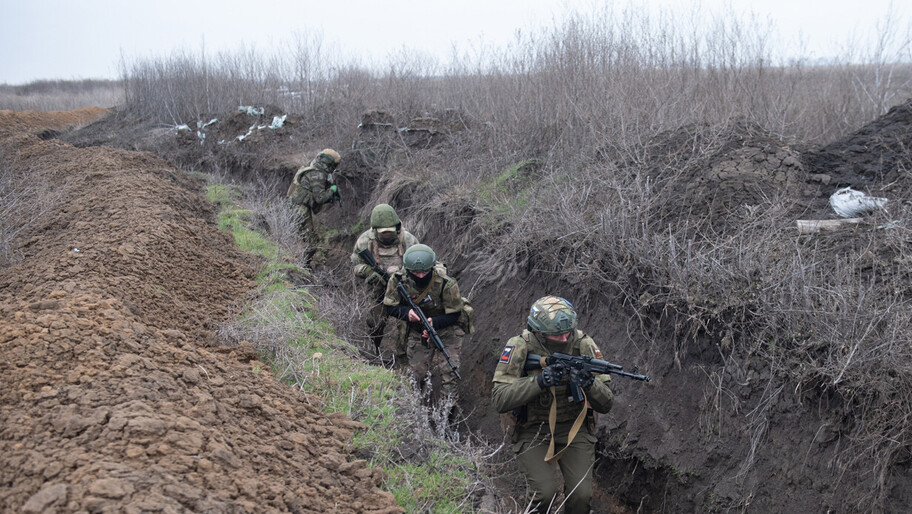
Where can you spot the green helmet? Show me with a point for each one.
(384, 216)
(419, 258)
(551, 315)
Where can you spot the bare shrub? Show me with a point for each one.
(824, 312)
(269, 324)
(342, 303)
(281, 217)
(23, 201)
(614, 76)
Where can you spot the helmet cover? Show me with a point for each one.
(384, 216)
(551, 315)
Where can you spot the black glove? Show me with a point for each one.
(550, 376)
(373, 278)
(582, 378)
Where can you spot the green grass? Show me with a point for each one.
(421, 491)
(507, 193)
(239, 223)
(351, 230)
(223, 195)
(369, 394)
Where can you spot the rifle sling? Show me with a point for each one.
(424, 293)
(552, 421)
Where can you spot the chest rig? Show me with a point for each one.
(388, 257)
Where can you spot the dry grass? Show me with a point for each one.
(61, 95)
(22, 203)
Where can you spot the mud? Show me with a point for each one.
(115, 394)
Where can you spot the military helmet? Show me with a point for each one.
(384, 216)
(329, 157)
(419, 258)
(551, 315)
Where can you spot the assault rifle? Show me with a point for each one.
(368, 257)
(584, 364)
(432, 334)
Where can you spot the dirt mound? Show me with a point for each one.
(716, 173)
(878, 157)
(114, 395)
(35, 120)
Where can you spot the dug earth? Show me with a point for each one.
(114, 395)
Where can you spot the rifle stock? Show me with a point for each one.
(367, 257)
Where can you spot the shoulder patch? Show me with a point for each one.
(598, 353)
(507, 353)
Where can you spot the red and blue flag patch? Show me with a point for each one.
(507, 353)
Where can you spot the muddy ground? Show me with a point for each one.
(669, 446)
(115, 395)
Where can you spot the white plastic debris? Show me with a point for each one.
(278, 121)
(183, 127)
(251, 111)
(850, 203)
(249, 131)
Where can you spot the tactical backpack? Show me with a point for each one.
(467, 316)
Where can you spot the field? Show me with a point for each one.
(654, 183)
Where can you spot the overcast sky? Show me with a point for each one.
(72, 39)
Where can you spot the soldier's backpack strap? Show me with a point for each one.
(402, 247)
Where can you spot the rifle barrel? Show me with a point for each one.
(533, 361)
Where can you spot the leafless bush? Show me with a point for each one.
(825, 312)
(22, 203)
(279, 215)
(343, 303)
(269, 324)
(608, 78)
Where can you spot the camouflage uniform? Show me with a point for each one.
(389, 257)
(516, 391)
(310, 190)
(440, 297)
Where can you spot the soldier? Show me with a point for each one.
(387, 243)
(528, 396)
(437, 295)
(313, 187)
